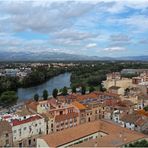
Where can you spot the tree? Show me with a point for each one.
(83, 90)
(45, 94)
(101, 88)
(74, 89)
(91, 89)
(142, 143)
(8, 98)
(64, 91)
(55, 92)
(36, 97)
(146, 108)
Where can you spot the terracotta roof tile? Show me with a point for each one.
(78, 105)
(16, 122)
(66, 116)
(111, 139)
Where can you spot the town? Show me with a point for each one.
(73, 73)
(115, 117)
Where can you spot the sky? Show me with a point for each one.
(113, 28)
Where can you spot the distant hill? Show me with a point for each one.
(59, 56)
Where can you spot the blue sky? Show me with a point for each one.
(96, 28)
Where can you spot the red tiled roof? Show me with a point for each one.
(66, 116)
(79, 105)
(19, 122)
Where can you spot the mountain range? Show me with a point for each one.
(60, 56)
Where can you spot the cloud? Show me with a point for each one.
(74, 26)
(72, 37)
(134, 23)
(144, 41)
(91, 45)
(120, 40)
(52, 16)
(114, 49)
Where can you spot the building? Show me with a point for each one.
(114, 75)
(93, 134)
(61, 117)
(82, 111)
(123, 83)
(42, 106)
(137, 120)
(5, 134)
(116, 90)
(143, 87)
(25, 129)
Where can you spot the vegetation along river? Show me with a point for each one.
(56, 82)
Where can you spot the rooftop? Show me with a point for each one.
(63, 117)
(111, 139)
(16, 122)
(79, 105)
(115, 87)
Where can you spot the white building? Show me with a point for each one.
(26, 129)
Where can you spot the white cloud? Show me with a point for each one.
(114, 49)
(91, 45)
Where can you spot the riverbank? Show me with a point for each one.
(56, 82)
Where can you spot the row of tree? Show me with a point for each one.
(63, 91)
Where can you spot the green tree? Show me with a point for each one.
(8, 98)
(55, 92)
(146, 108)
(142, 143)
(64, 91)
(91, 89)
(73, 89)
(36, 97)
(45, 94)
(83, 90)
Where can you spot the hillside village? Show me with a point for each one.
(113, 118)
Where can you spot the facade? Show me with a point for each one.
(114, 75)
(123, 83)
(93, 134)
(63, 116)
(5, 134)
(25, 129)
(116, 90)
(41, 106)
(135, 121)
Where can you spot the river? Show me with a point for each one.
(56, 82)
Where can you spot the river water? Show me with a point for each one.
(56, 82)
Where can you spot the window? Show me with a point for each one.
(25, 128)
(20, 144)
(7, 135)
(75, 119)
(90, 137)
(52, 125)
(61, 112)
(7, 142)
(29, 141)
(36, 125)
(20, 132)
(14, 131)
